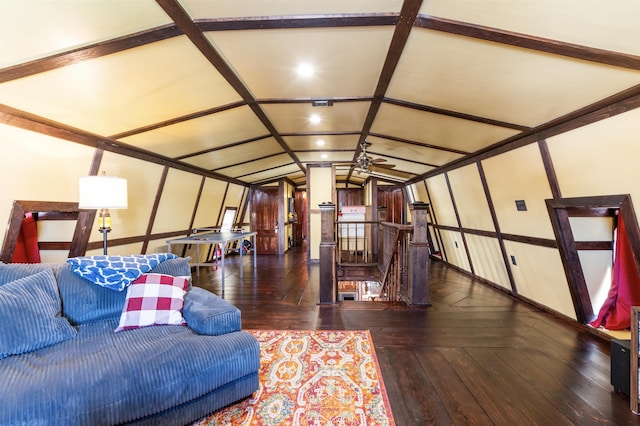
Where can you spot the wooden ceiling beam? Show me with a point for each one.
(184, 22)
(455, 114)
(408, 14)
(92, 51)
(525, 41)
(298, 21)
(619, 103)
(24, 120)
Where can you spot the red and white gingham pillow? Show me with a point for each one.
(154, 299)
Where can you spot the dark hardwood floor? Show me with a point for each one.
(475, 357)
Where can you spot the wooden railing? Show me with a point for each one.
(400, 251)
(394, 260)
(356, 244)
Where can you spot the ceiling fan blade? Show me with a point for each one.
(383, 166)
(378, 160)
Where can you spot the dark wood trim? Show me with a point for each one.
(246, 198)
(84, 53)
(24, 120)
(568, 248)
(271, 101)
(184, 22)
(496, 225)
(540, 44)
(455, 114)
(222, 205)
(221, 147)
(594, 245)
(460, 229)
(247, 161)
(85, 222)
(592, 211)
(571, 263)
(177, 120)
(432, 213)
(67, 210)
(145, 239)
(408, 13)
(534, 241)
(547, 161)
(301, 21)
(619, 103)
(394, 157)
(416, 143)
(197, 204)
(268, 169)
(154, 209)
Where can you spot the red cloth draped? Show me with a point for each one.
(625, 286)
(27, 250)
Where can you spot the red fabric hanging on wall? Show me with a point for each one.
(615, 313)
(27, 250)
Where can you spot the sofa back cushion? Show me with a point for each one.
(31, 315)
(82, 301)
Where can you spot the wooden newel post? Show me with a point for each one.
(382, 216)
(419, 256)
(328, 285)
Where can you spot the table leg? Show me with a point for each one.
(224, 249)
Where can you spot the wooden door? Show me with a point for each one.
(264, 219)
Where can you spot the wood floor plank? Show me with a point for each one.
(459, 401)
(476, 356)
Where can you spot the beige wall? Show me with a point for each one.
(36, 167)
(597, 159)
(321, 188)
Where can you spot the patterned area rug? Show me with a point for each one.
(313, 378)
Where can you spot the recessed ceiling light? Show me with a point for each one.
(323, 156)
(320, 142)
(314, 119)
(305, 70)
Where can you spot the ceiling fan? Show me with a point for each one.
(364, 163)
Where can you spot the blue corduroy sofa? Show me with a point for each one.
(80, 372)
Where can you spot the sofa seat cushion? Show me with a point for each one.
(102, 377)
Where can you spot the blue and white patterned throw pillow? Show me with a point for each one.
(116, 272)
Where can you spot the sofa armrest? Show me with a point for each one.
(206, 313)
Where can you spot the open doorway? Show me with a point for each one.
(575, 222)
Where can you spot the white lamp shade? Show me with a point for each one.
(103, 192)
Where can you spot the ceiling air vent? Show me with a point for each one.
(322, 102)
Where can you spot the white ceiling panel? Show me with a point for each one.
(118, 92)
(435, 129)
(322, 142)
(295, 118)
(192, 136)
(213, 84)
(499, 82)
(612, 25)
(236, 154)
(346, 61)
(67, 24)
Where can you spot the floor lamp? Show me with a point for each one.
(103, 192)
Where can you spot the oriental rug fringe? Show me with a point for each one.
(313, 378)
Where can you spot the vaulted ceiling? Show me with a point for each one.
(213, 86)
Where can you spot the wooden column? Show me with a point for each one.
(328, 284)
(382, 216)
(418, 288)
